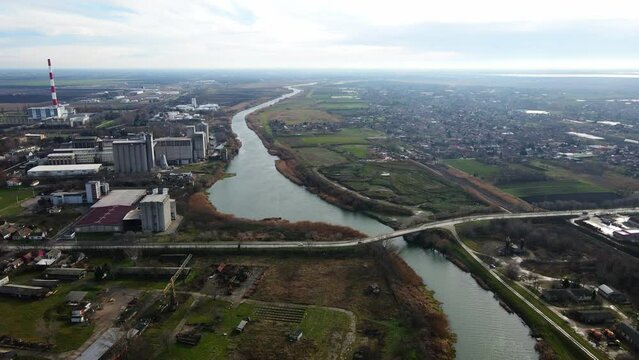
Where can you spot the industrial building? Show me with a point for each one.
(200, 142)
(52, 112)
(55, 111)
(64, 170)
(176, 150)
(23, 291)
(67, 198)
(88, 155)
(61, 159)
(108, 213)
(155, 212)
(93, 191)
(134, 155)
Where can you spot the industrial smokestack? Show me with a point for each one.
(54, 96)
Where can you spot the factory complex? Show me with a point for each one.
(129, 210)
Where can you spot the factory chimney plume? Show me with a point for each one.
(54, 96)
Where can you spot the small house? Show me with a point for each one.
(50, 258)
(556, 295)
(611, 294)
(21, 234)
(7, 231)
(581, 295)
(38, 234)
(594, 317)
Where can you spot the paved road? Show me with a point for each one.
(317, 244)
(494, 274)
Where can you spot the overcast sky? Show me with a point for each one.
(448, 34)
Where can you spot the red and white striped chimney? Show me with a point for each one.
(54, 96)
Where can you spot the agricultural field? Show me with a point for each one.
(474, 167)
(551, 187)
(356, 151)
(358, 136)
(402, 183)
(318, 157)
(8, 198)
(315, 105)
(536, 182)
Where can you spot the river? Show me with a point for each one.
(485, 331)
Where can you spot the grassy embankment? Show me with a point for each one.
(563, 347)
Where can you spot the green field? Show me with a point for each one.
(357, 151)
(402, 183)
(213, 345)
(549, 183)
(8, 197)
(28, 319)
(318, 157)
(551, 187)
(319, 327)
(474, 167)
(357, 136)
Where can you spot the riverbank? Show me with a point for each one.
(260, 191)
(290, 168)
(554, 344)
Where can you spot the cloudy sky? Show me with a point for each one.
(402, 34)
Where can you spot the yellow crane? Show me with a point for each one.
(170, 297)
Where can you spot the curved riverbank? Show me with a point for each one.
(484, 329)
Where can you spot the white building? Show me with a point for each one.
(155, 212)
(59, 112)
(64, 170)
(93, 191)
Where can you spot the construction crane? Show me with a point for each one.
(170, 297)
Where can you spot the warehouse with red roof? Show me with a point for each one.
(107, 215)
